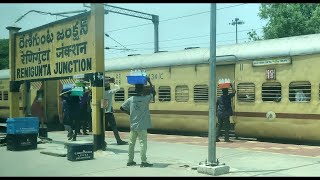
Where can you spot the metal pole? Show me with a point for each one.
(155, 20)
(236, 22)
(212, 88)
(236, 30)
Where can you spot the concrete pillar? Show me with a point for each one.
(98, 128)
(14, 85)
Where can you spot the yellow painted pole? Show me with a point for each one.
(26, 98)
(98, 128)
(44, 103)
(14, 85)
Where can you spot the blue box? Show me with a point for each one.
(24, 125)
(137, 80)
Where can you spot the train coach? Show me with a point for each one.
(268, 76)
(278, 89)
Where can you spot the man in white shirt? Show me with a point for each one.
(109, 117)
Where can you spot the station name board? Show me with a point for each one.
(58, 49)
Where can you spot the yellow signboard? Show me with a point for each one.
(58, 49)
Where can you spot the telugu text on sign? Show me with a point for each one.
(58, 49)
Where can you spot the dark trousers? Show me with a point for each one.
(75, 124)
(84, 115)
(90, 121)
(75, 121)
(111, 120)
(223, 122)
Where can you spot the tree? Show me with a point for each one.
(288, 19)
(4, 53)
(253, 36)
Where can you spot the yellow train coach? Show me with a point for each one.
(181, 81)
(278, 89)
(269, 76)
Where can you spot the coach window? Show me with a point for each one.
(182, 93)
(246, 92)
(5, 95)
(119, 95)
(131, 91)
(300, 91)
(271, 91)
(164, 93)
(200, 93)
(0, 95)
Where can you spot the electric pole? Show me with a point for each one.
(137, 14)
(236, 21)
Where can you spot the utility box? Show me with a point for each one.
(224, 85)
(137, 80)
(23, 125)
(18, 142)
(78, 151)
(77, 91)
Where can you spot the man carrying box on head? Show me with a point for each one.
(109, 117)
(137, 107)
(84, 114)
(224, 111)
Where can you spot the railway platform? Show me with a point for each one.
(171, 155)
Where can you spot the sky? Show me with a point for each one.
(181, 25)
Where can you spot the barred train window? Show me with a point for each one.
(5, 95)
(300, 91)
(246, 92)
(119, 96)
(0, 95)
(182, 93)
(271, 91)
(200, 93)
(131, 91)
(164, 93)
